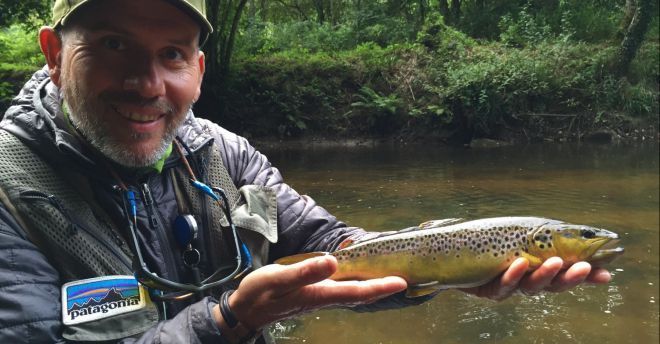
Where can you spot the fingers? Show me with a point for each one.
(542, 277)
(599, 276)
(276, 292)
(307, 273)
(292, 277)
(330, 292)
(509, 281)
(570, 278)
(502, 287)
(551, 277)
(514, 274)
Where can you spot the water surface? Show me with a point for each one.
(388, 188)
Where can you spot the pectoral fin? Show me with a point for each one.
(534, 262)
(422, 289)
(299, 257)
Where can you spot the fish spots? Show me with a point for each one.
(494, 241)
(483, 242)
(543, 240)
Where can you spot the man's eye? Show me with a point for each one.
(172, 54)
(113, 43)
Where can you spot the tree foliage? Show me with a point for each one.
(32, 12)
(372, 65)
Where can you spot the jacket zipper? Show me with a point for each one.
(156, 224)
(75, 223)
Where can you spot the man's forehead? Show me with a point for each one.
(178, 37)
(132, 18)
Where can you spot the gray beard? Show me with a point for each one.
(82, 109)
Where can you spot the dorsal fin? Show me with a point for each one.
(373, 236)
(439, 223)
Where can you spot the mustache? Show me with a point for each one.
(136, 99)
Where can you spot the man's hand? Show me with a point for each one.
(276, 292)
(550, 276)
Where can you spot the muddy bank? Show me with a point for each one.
(528, 128)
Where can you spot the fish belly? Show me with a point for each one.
(449, 271)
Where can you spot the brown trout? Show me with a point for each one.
(452, 253)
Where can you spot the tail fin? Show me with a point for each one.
(288, 260)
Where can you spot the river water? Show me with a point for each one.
(388, 188)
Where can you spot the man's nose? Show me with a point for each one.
(146, 79)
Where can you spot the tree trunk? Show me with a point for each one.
(455, 11)
(443, 7)
(422, 12)
(332, 13)
(628, 14)
(263, 10)
(225, 61)
(212, 45)
(320, 11)
(633, 36)
(225, 16)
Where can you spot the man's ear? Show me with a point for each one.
(202, 66)
(51, 47)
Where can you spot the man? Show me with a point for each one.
(98, 151)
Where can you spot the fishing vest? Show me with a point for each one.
(58, 213)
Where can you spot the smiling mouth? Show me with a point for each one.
(137, 116)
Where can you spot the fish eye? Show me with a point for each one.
(587, 234)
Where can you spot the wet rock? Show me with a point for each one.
(487, 143)
(601, 136)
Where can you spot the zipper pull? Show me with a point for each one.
(148, 201)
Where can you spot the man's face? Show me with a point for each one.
(130, 71)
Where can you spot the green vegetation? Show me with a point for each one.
(19, 49)
(19, 58)
(452, 70)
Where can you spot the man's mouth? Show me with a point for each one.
(146, 116)
(137, 117)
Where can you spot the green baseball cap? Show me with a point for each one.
(196, 9)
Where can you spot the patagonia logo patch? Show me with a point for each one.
(100, 297)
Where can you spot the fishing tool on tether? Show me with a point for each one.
(186, 232)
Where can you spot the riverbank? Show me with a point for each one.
(533, 128)
(456, 93)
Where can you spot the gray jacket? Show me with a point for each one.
(30, 308)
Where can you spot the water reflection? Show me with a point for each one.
(386, 188)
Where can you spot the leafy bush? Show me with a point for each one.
(19, 58)
(409, 88)
(524, 28)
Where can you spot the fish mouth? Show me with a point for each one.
(606, 253)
